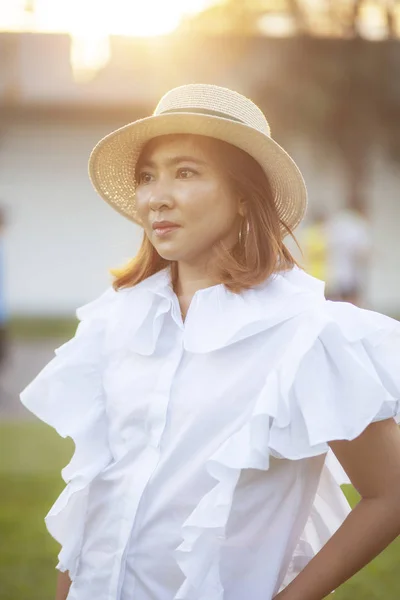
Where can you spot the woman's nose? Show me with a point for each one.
(161, 198)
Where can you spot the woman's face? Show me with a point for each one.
(179, 183)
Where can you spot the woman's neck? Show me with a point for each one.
(190, 280)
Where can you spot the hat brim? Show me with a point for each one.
(113, 160)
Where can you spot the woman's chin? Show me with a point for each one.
(171, 254)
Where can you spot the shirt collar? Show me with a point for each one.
(216, 317)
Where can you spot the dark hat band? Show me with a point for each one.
(202, 111)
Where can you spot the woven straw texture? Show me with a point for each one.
(112, 162)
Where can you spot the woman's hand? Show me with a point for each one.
(63, 585)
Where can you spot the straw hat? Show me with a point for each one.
(206, 110)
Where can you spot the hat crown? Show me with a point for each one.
(214, 101)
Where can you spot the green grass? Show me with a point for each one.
(39, 328)
(31, 456)
(380, 579)
(51, 327)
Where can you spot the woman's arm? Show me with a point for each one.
(63, 585)
(372, 462)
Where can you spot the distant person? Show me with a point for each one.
(207, 386)
(350, 248)
(314, 244)
(3, 309)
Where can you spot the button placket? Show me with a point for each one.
(160, 400)
(145, 469)
(157, 421)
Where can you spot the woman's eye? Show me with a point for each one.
(144, 177)
(186, 173)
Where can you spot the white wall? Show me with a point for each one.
(62, 238)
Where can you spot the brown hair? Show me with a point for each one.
(259, 253)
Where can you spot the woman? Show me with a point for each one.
(205, 389)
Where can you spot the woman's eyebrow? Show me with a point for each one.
(170, 162)
(178, 159)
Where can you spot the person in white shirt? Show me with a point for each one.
(215, 398)
(349, 240)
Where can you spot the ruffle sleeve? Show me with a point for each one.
(347, 379)
(339, 374)
(68, 395)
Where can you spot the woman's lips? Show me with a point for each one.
(164, 231)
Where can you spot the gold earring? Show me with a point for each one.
(244, 222)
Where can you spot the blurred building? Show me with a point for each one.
(61, 238)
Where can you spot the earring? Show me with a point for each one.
(241, 230)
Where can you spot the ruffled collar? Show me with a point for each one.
(216, 316)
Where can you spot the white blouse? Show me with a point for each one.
(201, 469)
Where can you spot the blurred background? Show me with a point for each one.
(327, 75)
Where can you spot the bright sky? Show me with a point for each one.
(94, 19)
(98, 17)
(91, 22)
